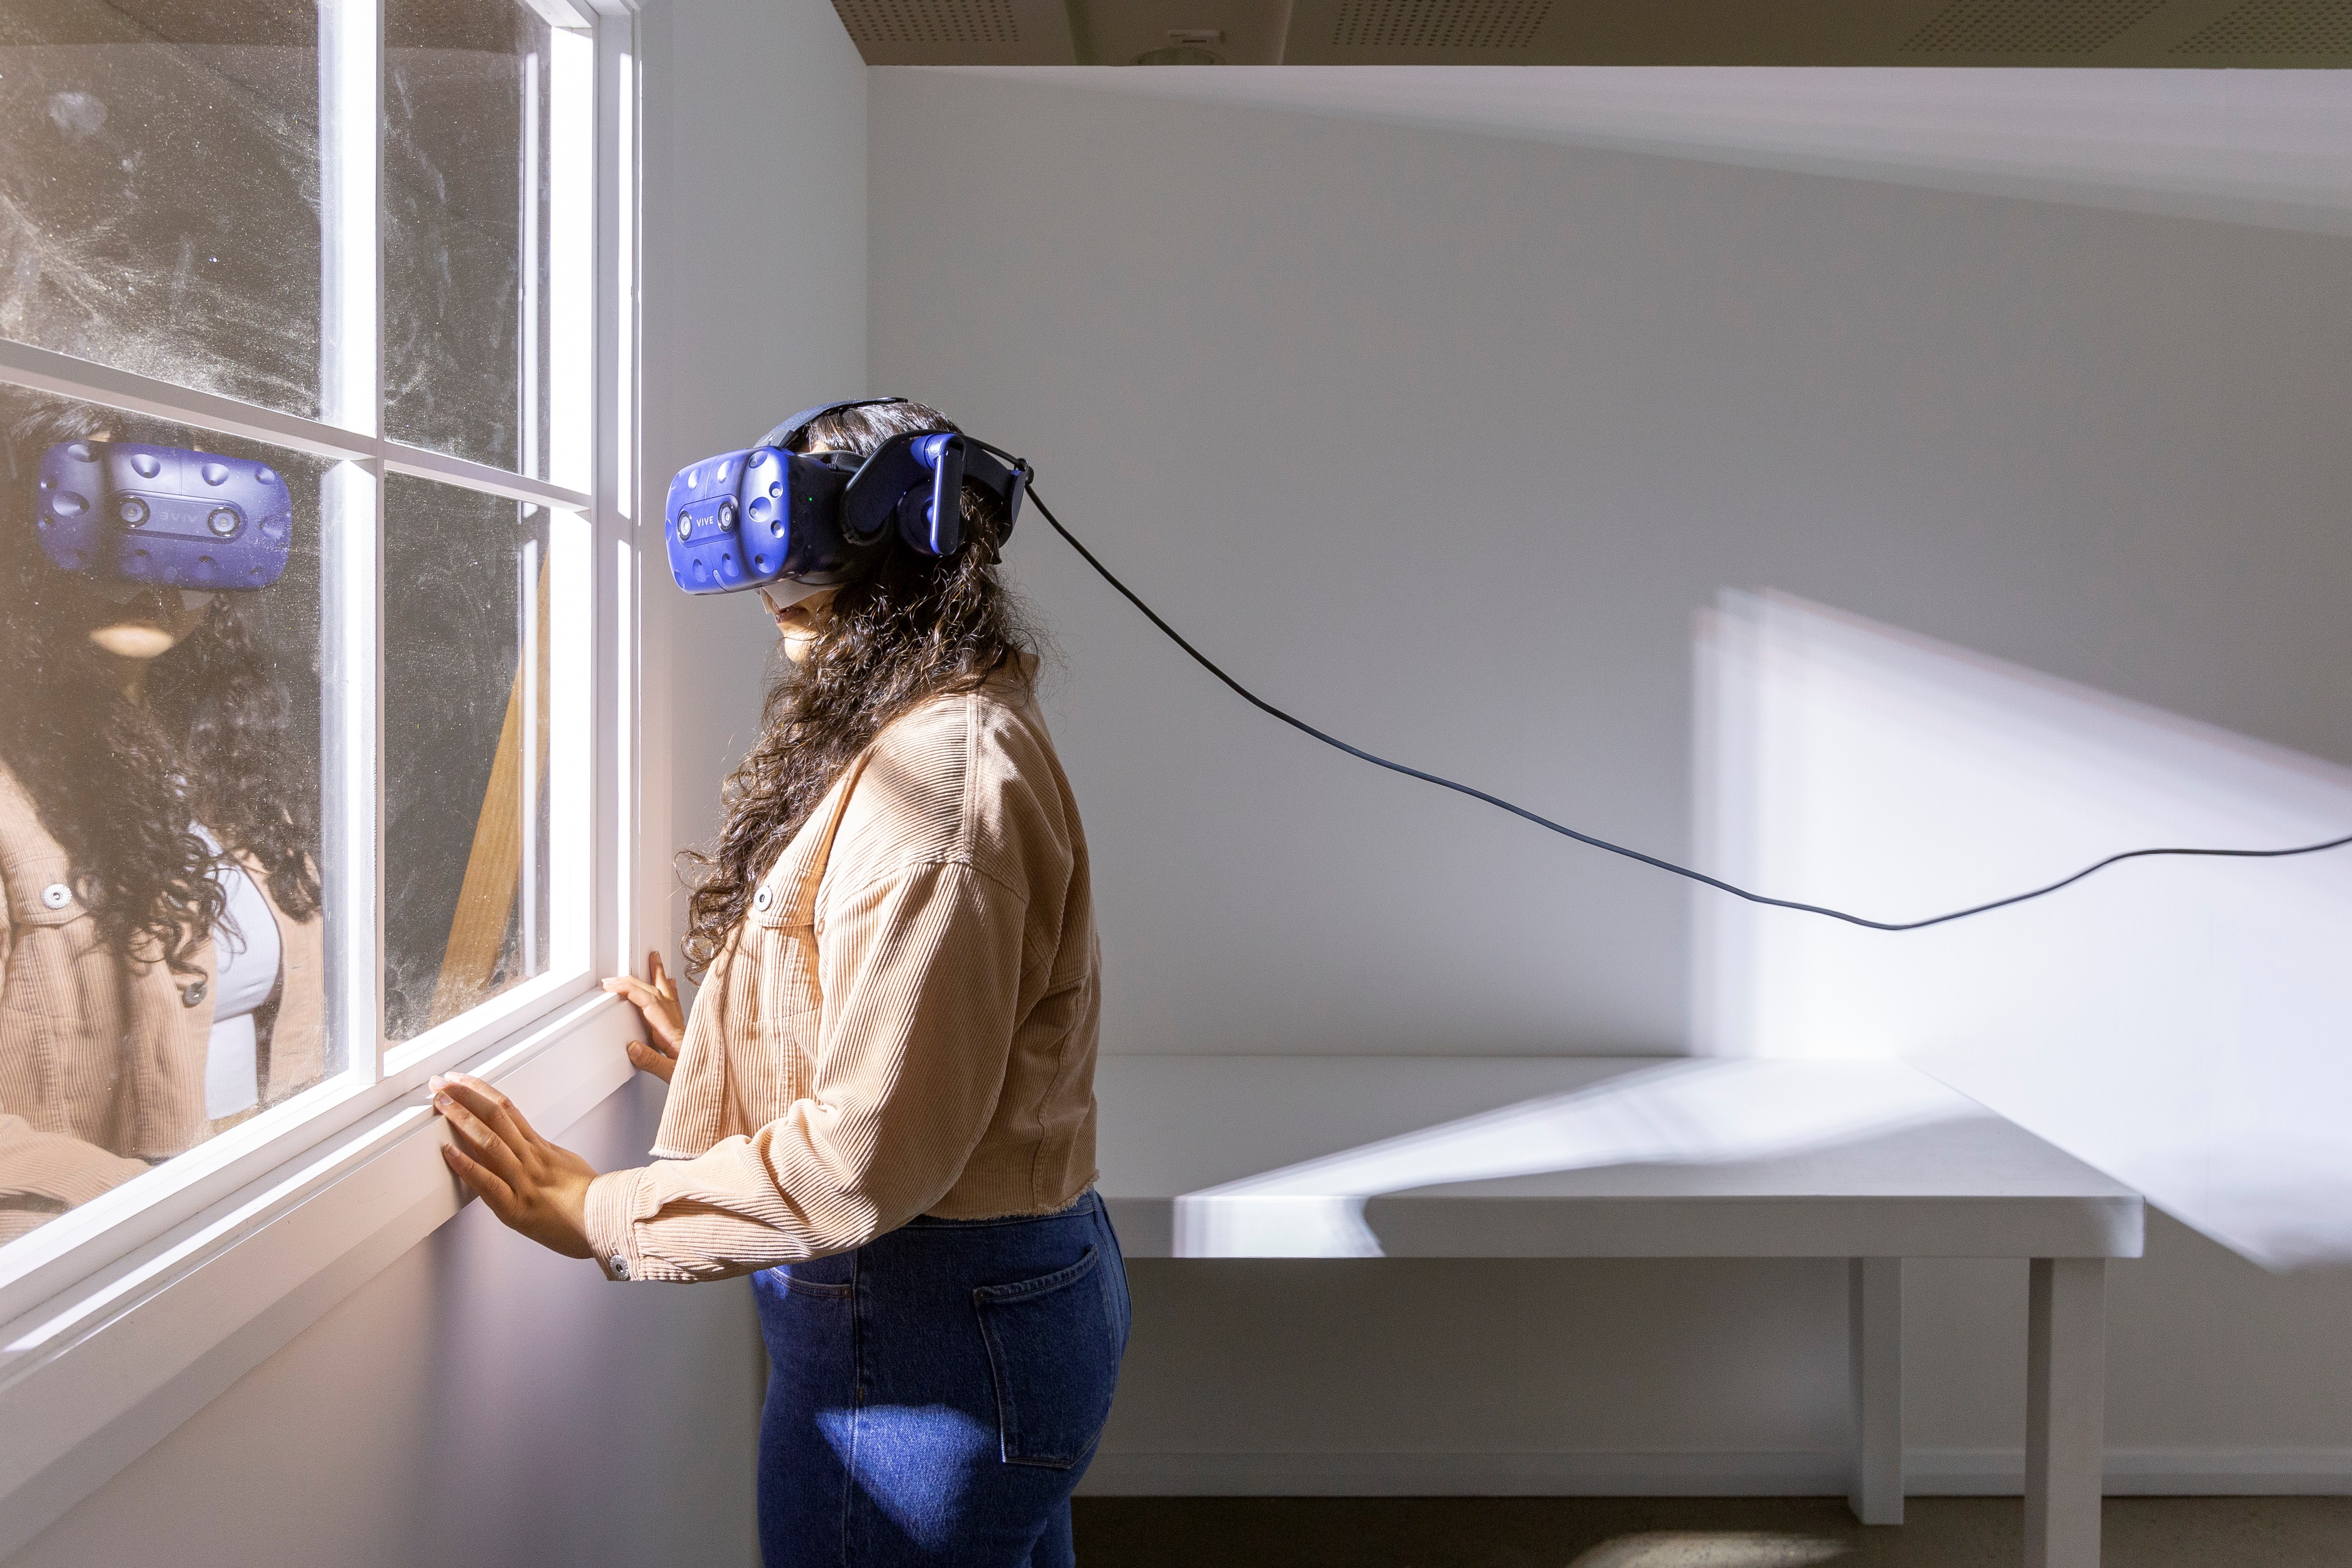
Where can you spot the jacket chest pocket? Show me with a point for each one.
(791, 1007)
(782, 939)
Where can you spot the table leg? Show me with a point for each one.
(2066, 1411)
(1875, 1340)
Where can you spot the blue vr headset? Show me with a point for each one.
(131, 512)
(768, 517)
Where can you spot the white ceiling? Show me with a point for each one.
(2271, 148)
(2143, 34)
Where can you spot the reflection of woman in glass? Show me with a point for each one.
(160, 950)
(883, 1109)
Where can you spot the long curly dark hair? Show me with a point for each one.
(119, 782)
(914, 628)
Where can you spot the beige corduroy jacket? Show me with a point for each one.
(102, 1060)
(904, 1024)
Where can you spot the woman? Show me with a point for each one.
(162, 978)
(882, 1107)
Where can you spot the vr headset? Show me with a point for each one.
(795, 523)
(129, 512)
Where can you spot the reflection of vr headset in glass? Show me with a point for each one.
(162, 516)
(795, 523)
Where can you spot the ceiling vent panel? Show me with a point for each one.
(2029, 26)
(2276, 27)
(890, 22)
(959, 32)
(1438, 23)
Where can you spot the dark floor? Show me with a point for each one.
(1687, 1532)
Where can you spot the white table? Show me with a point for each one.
(1231, 1156)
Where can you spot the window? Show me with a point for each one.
(314, 387)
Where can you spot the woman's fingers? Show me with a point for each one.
(495, 1109)
(658, 1052)
(670, 1022)
(639, 994)
(495, 1130)
(655, 1002)
(455, 1089)
(491, 1191)
(480, 1142)
(659, 1013)
(528, 1182)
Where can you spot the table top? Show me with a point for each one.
(1341, 1157)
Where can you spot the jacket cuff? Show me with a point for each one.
(611, 1197)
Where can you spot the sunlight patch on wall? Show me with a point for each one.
(2185, 1025)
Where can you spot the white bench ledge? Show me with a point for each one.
(1231, 1156)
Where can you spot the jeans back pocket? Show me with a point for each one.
(1053, 1350)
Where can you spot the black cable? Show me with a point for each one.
(1265, 706)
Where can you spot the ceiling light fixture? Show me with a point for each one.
(1187, 47)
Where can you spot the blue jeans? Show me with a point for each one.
(934, 1396)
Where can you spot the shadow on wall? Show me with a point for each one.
(547, 1386)
(2186, 1024)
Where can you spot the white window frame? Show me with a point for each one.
(122, 1317)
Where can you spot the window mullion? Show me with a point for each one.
(351, 46)
(350, 217)
(613, 940)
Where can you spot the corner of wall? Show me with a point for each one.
(754, 304)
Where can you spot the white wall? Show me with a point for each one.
(480, 1401)
(1445, 440)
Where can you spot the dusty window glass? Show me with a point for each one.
(484, 149)
(478, 728)
(159, 731)
(158, 189)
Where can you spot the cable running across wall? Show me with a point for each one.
(1701, 877)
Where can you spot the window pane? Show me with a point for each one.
(159, 795)
(486, 143)
(483, 676)
(158, 188)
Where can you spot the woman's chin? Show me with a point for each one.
(134, 639)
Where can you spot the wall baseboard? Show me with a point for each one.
(2142, 1472)
(1929, 1472)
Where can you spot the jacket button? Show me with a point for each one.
(620, 1267)
(57, 895)
(762, 899)
(193, 996)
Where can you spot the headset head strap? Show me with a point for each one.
(786, 436)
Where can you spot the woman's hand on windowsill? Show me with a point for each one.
(531, 1184)
(656, 999)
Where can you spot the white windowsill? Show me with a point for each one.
(80, 1244)
(94, 1376)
